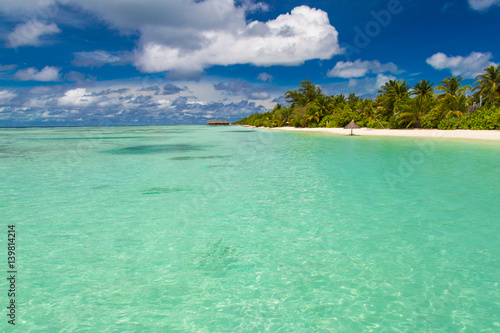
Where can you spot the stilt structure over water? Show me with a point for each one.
(218, 123)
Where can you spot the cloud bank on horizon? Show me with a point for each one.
(179, 62)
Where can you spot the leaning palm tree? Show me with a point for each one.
(489, 83)
(366, 107)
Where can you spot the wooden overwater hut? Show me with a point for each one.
(352, 125)
(218, 123)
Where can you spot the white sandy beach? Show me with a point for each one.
(424, 133)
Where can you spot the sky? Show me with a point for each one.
(170, 62)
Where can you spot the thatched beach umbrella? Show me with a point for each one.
(352, 125)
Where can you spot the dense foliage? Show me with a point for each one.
(446, 106)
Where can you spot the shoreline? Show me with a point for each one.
(492, 135)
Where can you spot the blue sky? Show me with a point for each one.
(161, 62)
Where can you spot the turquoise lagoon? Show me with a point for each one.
(228, 229)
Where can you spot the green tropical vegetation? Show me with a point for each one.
(449, 105)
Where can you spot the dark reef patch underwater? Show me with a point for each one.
(154, 149)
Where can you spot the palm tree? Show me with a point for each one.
(424, 89)
(352, 97)
(452, 86)
(457, 105)
(399, 88)
(324, 104)
(489, 83)
(413, 111)
(313, 115)
(366, 107)
(393, 91)
(338, 100)
(453, 97)
(280, 115)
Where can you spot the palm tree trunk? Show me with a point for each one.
(378, 121)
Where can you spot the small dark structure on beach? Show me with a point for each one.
(218, 123)
(352, 125)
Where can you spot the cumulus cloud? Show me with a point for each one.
(243, 89)
(76, 97)
(27, 7)
(168, 89)
(382, 80)
(150, 88)
(290, 39)
(29, 33)
(109, 91)
(6, 96)
(468, 67)
(483, 4)
(95, 106)
(360, 68)
(48, 73)
(264, 77)
(171, 89)
(186, 37)
(100, 58)
(75, 76)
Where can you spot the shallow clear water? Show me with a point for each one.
(198, 229)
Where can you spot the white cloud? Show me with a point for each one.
(100, 58)
(29, 33)
(243, 89)
(48, 73)
(6, 95)
(147, 16)
(76, 97)
(188, 36)
(290, 39)
(264, 77)
(368, 85)
(483, 4)
(382, 80)
(27, 7)
(467, 67)
(360, 68)
(124, 102)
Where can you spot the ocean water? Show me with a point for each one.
(229, 229)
